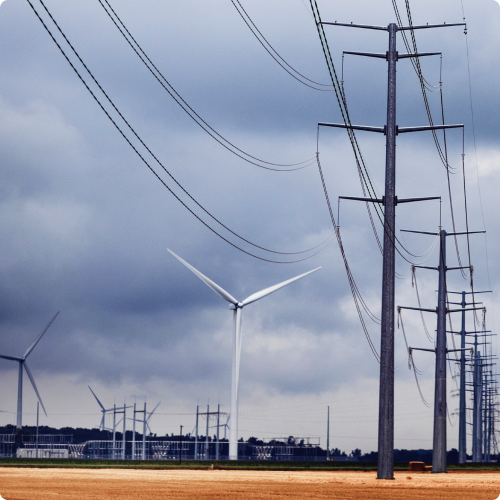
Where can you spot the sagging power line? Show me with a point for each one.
(321, 246)
(158, 75)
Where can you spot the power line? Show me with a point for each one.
(475, 157)
(274, 54)
(416, 65)
(158, 75)
(325, 242)
(354, 289)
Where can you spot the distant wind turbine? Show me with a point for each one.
(149, 417)
(22, 363)
(237, 307)
(103, 410)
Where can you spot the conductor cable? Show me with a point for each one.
(325, 242)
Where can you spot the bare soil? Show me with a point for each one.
(88, 484)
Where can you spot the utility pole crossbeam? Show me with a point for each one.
(396, 200)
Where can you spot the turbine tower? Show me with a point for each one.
(237, 307)
(22, 363)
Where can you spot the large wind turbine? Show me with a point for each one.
(237, 307)
(22, 363)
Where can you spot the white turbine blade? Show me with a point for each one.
(100, 404)
(216, 288)
(271, 289)
(150, 415)
(11, 358)
(32, 380)
(32, 346)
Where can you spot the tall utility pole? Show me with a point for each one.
(477, 418)
(144, 433)
(386, 392)
(485, 413)
(114, 431)
(144, 423)
(328, 436)
(124, 442)
(439, 437)
(37, 416)
(133, 433)
(489, 414)
(462, 420)
(488, 391)
(385, 469)
(207, 456)
(218, 423)
(180, 447)
(196, 436)
(439, 461)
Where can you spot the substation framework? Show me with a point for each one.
(277, 449)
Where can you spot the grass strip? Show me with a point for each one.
(225, 465)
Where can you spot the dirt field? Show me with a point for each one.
(73, 484)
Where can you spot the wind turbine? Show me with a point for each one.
(22, 363)
(237, 307)
(103, 410)
(149, 417)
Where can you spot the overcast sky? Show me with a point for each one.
(85, 225)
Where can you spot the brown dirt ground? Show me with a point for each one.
(73, 484)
